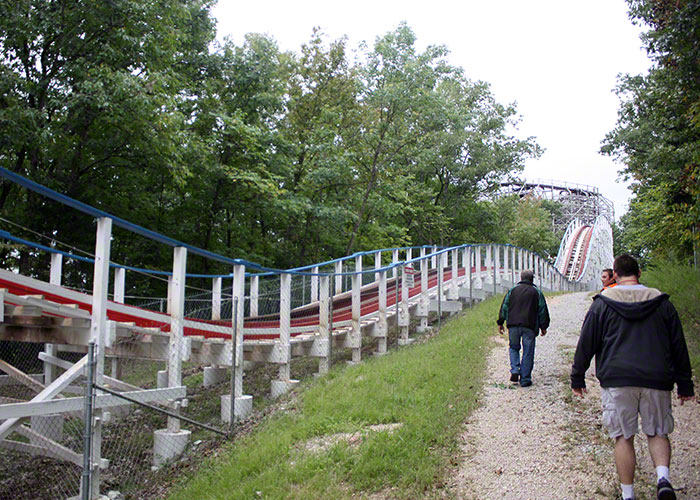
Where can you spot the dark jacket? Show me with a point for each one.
(524, 305)
(637, 343)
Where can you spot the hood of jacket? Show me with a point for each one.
(632, 303)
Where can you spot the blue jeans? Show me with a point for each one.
(524, 367)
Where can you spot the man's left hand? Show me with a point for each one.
(543, 332)
(686, 398)
(501, 329)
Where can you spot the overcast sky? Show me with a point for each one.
(557, 59)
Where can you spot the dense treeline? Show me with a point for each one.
(658, 134)
(281, 158)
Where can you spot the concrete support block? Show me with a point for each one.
(168, 445)
(322, 366)
(406, 341)
(280, 387)
(162, 380)
(244, 407)
(423, 326)
(50, 426)
(381, 346)
(214, 375)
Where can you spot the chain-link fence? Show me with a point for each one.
(42, 454)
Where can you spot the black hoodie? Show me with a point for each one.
(635, 343)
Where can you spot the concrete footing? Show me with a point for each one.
(243, 407)
(168, 445)
(280, 387)
(162, 379)
(214, 375)
(403, 342)
(50, 426)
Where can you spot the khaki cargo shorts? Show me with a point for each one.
(621, 405)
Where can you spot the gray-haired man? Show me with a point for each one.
(524, 310)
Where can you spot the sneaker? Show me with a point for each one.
(527, 383)
(664, 490)
(514, 377)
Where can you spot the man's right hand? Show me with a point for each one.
(543, 332)
(579, 391)
(501, 329)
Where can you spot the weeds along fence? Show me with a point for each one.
(105, 391)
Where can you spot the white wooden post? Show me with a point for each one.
(469, 252)
(433, 259)
(323, 321)
(356, 333)
(453, 293)
(489, 263)
(50, 349)
(254, 294)
(243, 403)
(119, 292)
(377, 264)
(100, 289)
(478, 283)
(506, 264)
(465, 264)
(382, 326)
(403, 319)
(216, 299)
(98, 330)
(409, 254)
(177, 330)
(284, 348)
(520, 262)
(314, 285)
(214, 374)
(424, 304)
(441, 276)
(338, 277)
(498, 266)
(394, 260)
(171, 442)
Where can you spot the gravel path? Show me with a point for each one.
(538, 443)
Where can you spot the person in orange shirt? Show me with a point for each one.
(607, 279)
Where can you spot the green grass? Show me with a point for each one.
(429, 388)
(682, 283)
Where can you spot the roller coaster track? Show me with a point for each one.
(585, 251)
(347, 304)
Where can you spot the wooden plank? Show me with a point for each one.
(56, 449)
(21, 377)
(27, 409)
(40, 451)
(8, 380)
(49, 392)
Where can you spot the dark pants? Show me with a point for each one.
(516, 334)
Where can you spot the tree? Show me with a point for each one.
(91, 106)
(658, 131)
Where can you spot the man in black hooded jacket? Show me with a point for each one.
(637, 339)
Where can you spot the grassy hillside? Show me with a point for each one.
(682, 283)
(322, 445)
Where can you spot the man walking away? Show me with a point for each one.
(524, 310)
(637, 339)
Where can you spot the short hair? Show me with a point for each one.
(527, 275)
(626, 265)
(607, 270)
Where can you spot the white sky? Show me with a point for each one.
(557, 59)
